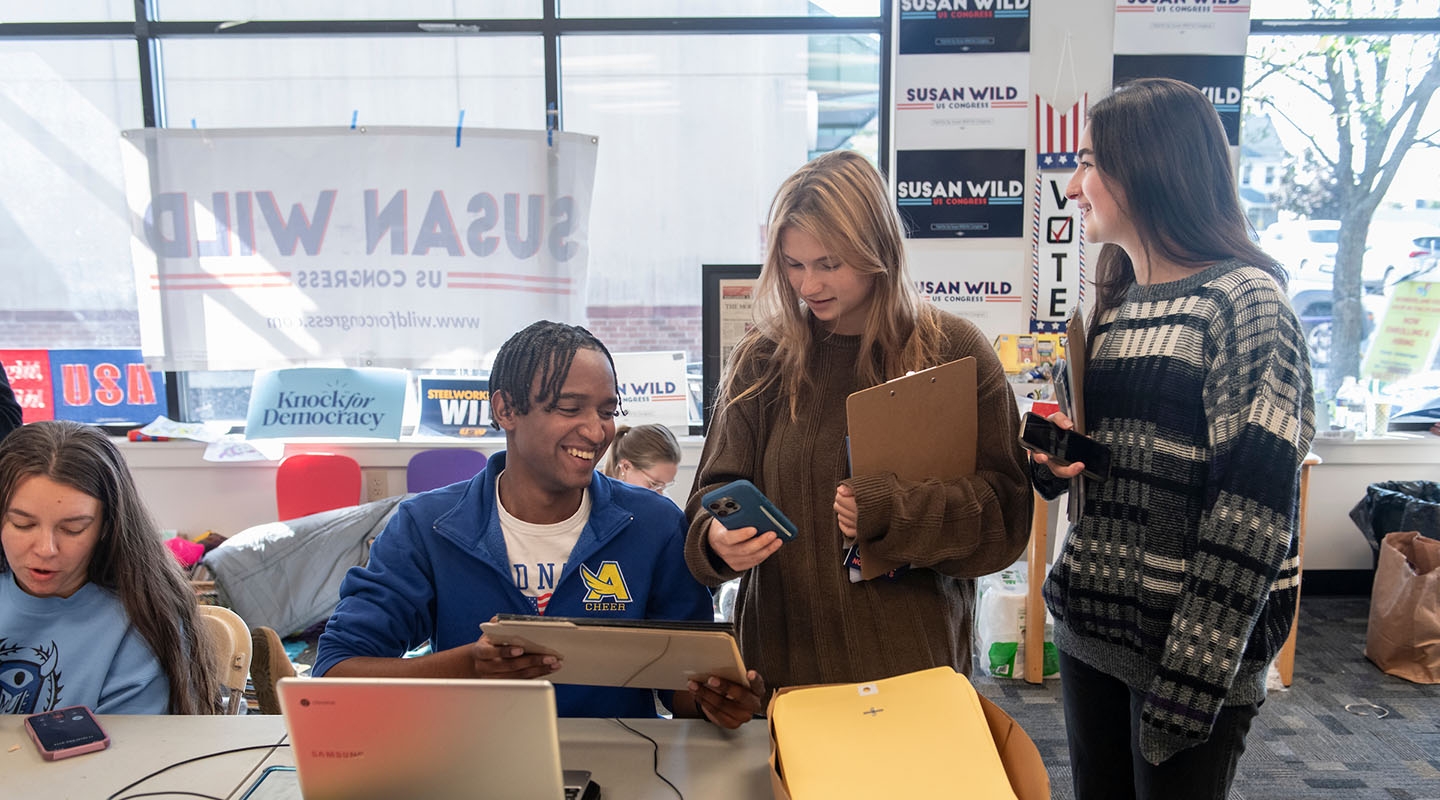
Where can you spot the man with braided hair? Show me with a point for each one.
(538, 531)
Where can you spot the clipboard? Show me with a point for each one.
(633, 654)
(1075, 355)
(919, 427)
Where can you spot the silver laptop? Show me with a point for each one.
(362, 738)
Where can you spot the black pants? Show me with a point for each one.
(1102, 721)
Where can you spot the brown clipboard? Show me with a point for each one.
(652, 656)
(922, 426)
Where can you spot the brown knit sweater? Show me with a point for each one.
(801, 620)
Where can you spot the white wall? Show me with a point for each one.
(190, 495)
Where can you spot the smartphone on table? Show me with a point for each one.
(66, 732)
(739, 504)
(1040, 435)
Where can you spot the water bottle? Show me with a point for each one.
(1350, 407)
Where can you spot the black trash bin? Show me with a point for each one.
(1391, 506)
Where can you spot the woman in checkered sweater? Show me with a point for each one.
(1176, 586)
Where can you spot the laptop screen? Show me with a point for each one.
(361, 738)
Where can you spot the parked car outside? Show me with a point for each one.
(1399, 251)
(1305, 247)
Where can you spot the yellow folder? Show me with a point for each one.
(918, 735)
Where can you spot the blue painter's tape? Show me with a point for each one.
(459, 126)
(354, 117)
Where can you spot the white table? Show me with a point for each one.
(699, 758)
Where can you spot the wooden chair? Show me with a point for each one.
(308, 483)
(230, 637)
(431, 469)
(1285, 659)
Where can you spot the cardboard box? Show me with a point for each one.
(1021, 759)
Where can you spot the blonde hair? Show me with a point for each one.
(842, 201)
(644, 446)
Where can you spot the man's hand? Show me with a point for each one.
(728, 704)
(490, 659)
(742, 548)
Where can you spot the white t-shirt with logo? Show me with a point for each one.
(538, 552)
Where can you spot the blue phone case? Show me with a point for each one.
(739, 504)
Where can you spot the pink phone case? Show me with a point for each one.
(88, 746)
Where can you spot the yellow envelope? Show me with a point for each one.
(918, 735)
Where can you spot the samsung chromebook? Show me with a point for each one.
(362, 738)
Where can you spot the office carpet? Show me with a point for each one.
(1305, 744)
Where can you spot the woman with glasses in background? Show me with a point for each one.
(645, 455)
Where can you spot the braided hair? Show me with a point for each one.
(546, 349)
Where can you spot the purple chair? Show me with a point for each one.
(431, 469)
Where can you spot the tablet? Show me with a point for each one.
(639, 654)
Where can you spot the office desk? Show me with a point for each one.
(699, 758)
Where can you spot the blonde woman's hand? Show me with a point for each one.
(741, 548)
(847, 512)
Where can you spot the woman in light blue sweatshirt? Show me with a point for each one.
(94, 610)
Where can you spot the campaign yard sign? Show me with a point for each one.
(329, 402)
(964, 26)
(29, 374)
(961, 193)
(105, 387)
(455, 407)
(1220, 78)
(653, 389)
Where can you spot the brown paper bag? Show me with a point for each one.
(1403, 637)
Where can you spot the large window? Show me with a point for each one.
(1301, 85)
(701, 107)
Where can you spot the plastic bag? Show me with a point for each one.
(1000, 626)
(1391, 506)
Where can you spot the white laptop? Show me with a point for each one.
(362, 738)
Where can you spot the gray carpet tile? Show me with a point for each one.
(1304, 745)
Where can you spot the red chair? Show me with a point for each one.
(308, 483)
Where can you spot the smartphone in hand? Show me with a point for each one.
(66, 732)
(739, 504)
(1040, 435)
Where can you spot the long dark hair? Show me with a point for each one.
(129, 558)
(1160, 146)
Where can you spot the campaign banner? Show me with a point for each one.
(380, 247)
(1057, 267)
(328, 402)
(1218, 27)
(653, 389)
(964, 26)
(979, 99)
(986, 287)
(29, 374)
(105, 386)
(1220, 78)
(1057, 264)
(455, 407)
(961, 193)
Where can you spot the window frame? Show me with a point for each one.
(147, 31)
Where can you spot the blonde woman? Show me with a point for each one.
(836, 312)
(645, 455)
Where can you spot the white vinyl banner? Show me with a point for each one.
(379, 247)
